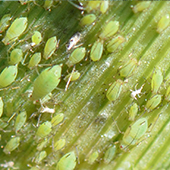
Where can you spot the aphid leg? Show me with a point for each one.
(13, 115)
(117, 126)
(68, 82)
(77, 153)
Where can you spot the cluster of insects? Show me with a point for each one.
(108, 40)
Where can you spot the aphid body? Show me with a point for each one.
(104, 6)
(44, 129)
(156, 81)
(11, 145)
(36, 38)
(46, 82)
(4, 22)
(35, 60)
(15, 30)
(114, 90)
(96, 50)
(141, 6)
(8, 75)
(16, 56)
(153, 102)
(40, 157)
(67, 162)
(133, 112)
(110, 154)
(74, 76)
(88, 19)
(20, 120)
(92, 158)
(134, 133)
(127, 69)
(167, 94)
(57, 119)
(163, 23)
(50, 47)
(115, 43)
(59, 144)
(109, 29)
(41, 145)
(76, 56)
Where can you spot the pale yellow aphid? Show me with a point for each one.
(36, 38)
(59, 144)
(1, 106)
(141, 6)
(163, 23)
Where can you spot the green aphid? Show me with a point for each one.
(20, 121)
(5, 22)
(87, 19)
(114, 90)
(67, 162)
(153, 102)
(167, 94)
(163, 23)
(141, 6)
(96, 50)
(8, 75)
(46, 82)
(15, 30)
(40, 157)
(156, 81)
(1, 106)
(110, 154)
(35, 60)
(115, 43)
(133, 112)
(36, 38)
(127, 69)
(44, 129)
(16, 56)
(41, 145)
(57, 119)
(109, 29)
(11, 145)
(76, 56)
(74, 76)
(93, 157)
(59, 144)
(104, 6)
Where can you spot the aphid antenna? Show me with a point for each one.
(77, 155)
(117, 126)
(13, 115)
(75, 5)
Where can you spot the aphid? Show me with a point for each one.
(57, 119)
(44, 129)
(59, 144)
(153, 102)
(76, 56)
(36, 38)
(167, 94)
(48, 4)
(115, 43)
(96, 50)
(104, 6)
(110, 154)
(88, 19)
(133, 112)
(35, 60)
(1, 106)
(4, 22)
(127, 69)
(156, 81)
(11, 145)
(136, 92)
(67, 162)
(141, 6)
(20, 121)
(92, 158)
(73, 41)
(114, 90)
(92, 5)
(41, 145)
(134, 133)
(74, 76)
(46, 82)
(16, 56)
(109, 29)
(8, 75)
(163, 23)
(15, 30)
(50, 46)
(40, 156)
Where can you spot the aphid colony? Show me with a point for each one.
(50, 77)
